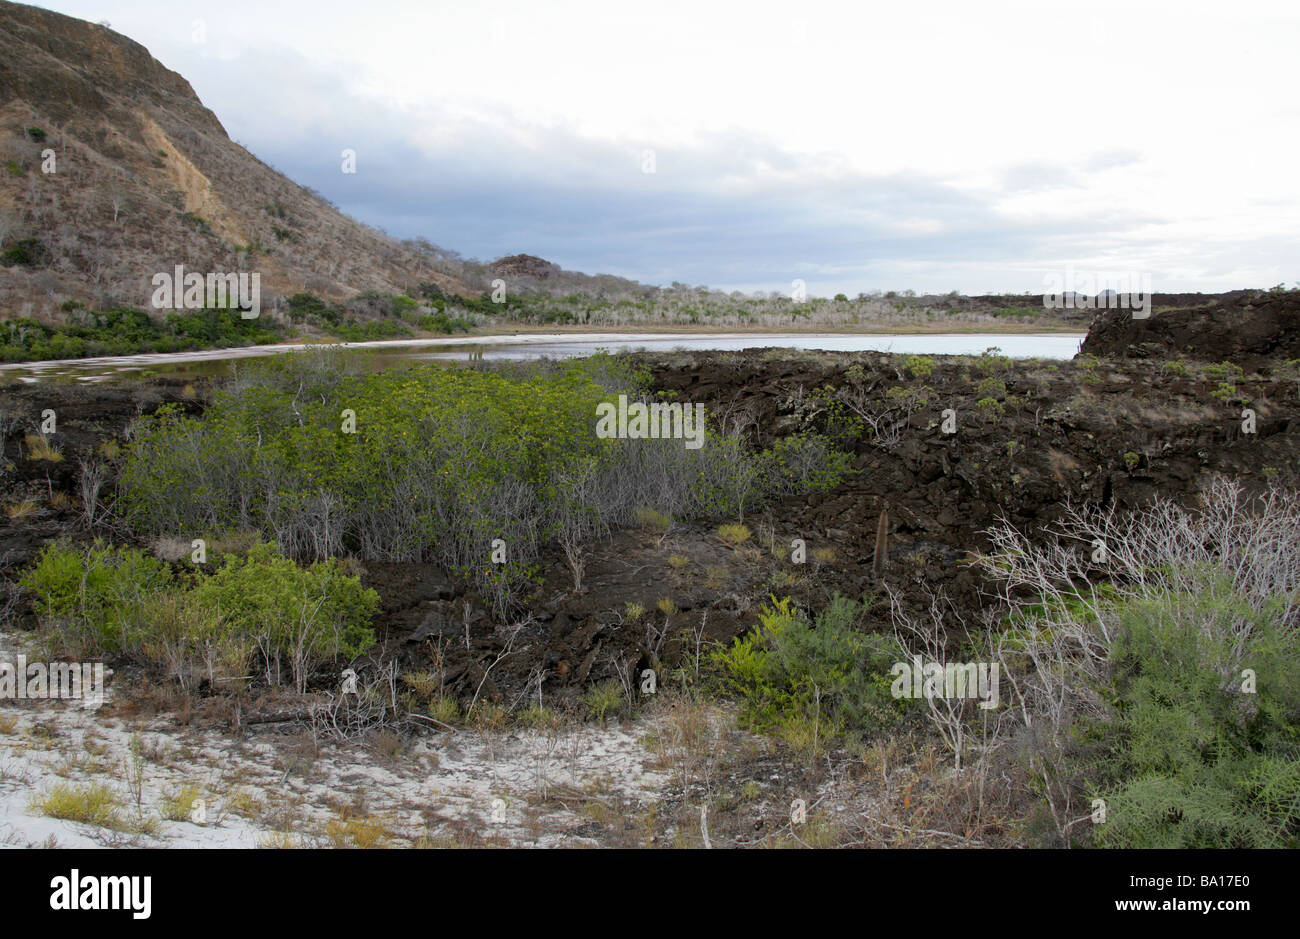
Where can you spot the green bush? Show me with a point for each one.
(991, 387)
(440, 322)
(304, 305)
(299, 615)
(1184, 758)
(991, 408)
(790, 670)
(118, 600)
(919, 366)
(803, 464)
(1226, 372)
(992, 360)
(95, 596)
(1171, 692)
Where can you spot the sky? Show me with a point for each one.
(856, 146)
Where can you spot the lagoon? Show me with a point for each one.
(216, 362)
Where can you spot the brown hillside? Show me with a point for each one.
(145, 178)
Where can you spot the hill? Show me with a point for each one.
(113, 170)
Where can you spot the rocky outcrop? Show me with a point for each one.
(524, 265)
(1244, 327)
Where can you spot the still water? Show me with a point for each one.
(558, 345)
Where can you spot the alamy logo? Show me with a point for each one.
(1089, 290)
(656, 421)
(917, 679)
(75, 892)
(194, 291)
(41, 681)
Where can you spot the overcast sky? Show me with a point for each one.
(933, 146)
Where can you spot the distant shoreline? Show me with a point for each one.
(927, 329)
(504, 333)
(34, 370)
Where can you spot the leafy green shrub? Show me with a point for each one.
(804, 464)
(919, 366)
(1228, 393)
(440, 322)
(991, 408)
(789, 669)
(991, 387)
(838, 421)
(304, 305)
(1171, 692)
(125, 331)
(992, 360)
(909, 397)
(603, 698)
(1224, 372)
(119, 600)
(302, 615)
(95, 597)
(1185, 758)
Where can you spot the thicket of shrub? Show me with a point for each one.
(128, 331)
(440, 322)
(442, 463)
(260, 611)
(374, 316)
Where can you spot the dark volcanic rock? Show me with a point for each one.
(1242, 328)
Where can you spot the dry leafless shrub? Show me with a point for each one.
(885, 424)
(1072, 574)
(363, 705)
(91, 481)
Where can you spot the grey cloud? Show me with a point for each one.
(705, 216)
